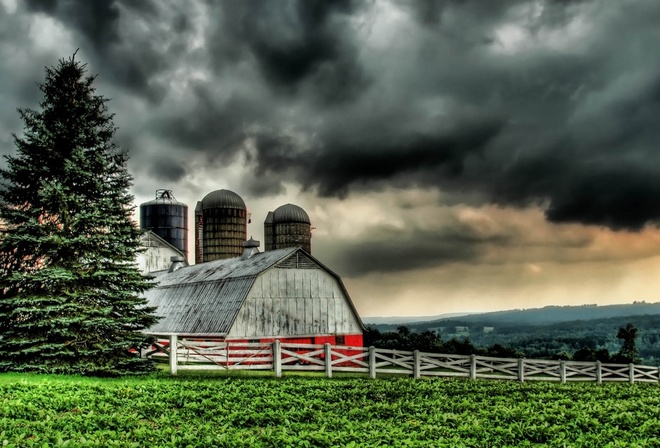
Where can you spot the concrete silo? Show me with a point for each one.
(167, 218)
(288, 226)
(220, 226)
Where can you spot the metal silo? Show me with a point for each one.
(224, 225)
(167, 218)
(288, 226)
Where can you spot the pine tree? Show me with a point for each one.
(70, 291)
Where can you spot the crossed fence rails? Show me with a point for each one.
(191, 354)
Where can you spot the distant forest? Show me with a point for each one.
(546, 333)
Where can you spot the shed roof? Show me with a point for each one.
(205, 299)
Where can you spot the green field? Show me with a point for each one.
(246, 410)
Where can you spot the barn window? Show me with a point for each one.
(339, 340)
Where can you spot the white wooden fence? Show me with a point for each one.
(278, 356)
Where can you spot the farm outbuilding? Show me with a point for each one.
(283, 294)
(158, 254)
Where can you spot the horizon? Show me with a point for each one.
(459, 314)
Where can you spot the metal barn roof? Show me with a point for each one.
(225, 269)
(203, 308)
(205, 299)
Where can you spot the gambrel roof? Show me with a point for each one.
(204, 299)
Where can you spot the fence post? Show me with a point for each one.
(277, 358)
(174, 342)
(416, 364)
(562, 371)
(328, 360)
(226, 355)
(631, 372)
(599, 373)
(372, 362)
(521, 370)
(473, 367)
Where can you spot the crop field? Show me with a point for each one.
(304, 411)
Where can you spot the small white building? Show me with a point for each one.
(158, 254)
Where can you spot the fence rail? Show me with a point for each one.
(191, 354)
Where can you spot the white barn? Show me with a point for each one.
(282, 294)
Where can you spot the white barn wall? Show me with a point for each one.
(294, 302)
(156, 258)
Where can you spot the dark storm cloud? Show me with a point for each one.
(96, 20)
(165, 169)
(609, 197)
(552, 103)
(399, 255)
(338, 165)
(430, 12)
(530, 138)
(213, 125)
(47, 6)
(102, 27)
(293, 44)
(450, 237)
(385, 249)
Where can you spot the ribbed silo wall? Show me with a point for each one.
(199, 233)
(269, 229)
(225, 231)
(293, 234)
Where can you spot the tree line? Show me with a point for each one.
(431, 342)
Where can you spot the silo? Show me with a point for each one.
(167, 218)
(288, 226)
(199, 233)
(268, 232)
(224, 225)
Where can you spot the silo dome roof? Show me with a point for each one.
(163, 197)
(290, 213)
(223, 199)
(163, 201)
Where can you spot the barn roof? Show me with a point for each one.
(204, 299)
(226, 269)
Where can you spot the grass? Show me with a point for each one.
(246, 409)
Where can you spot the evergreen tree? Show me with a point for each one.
(70, 291)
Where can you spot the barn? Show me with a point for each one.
(283, 294)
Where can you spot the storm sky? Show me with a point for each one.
(453, 155)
